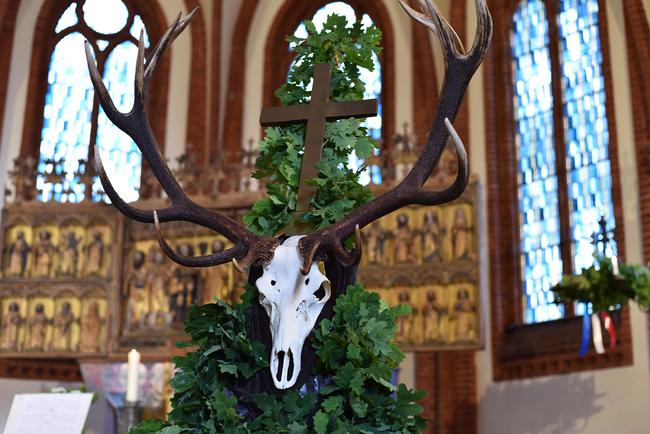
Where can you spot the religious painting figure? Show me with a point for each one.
(136, 298)
(432, 313)
(463, 316)
(430, 237)
(69, 250)
(95, 254)
(215, 279)
(402, 248)
(91, 329)
(44, 251)
(10, 327)
(63, 328)
(405, 332)
(37, 324)
(183, 287)
(461, 233)
(18, 253)
(375, 239)
(157, 284)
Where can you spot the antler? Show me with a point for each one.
(249, 248)
(460, 66)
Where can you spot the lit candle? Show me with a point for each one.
(132, 377)
(615, 265)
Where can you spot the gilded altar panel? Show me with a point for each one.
(79, 280)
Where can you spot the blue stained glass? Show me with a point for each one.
(67, 113)
(122, 158)
(372, 80)
(541, 261)
(66, 118)
(586, 127)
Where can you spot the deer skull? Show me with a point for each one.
(293, 302)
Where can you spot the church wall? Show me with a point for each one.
(12, 126)
(594, 402)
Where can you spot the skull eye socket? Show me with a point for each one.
(320, 293)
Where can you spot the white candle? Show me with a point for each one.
(132, 376)
(615, 265)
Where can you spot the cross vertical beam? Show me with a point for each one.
(315, 115)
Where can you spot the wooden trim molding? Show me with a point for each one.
(67, 370)
(512, 359)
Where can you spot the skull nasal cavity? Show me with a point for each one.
(281, 361)
(273, 282)
(278, 374)
(320, 293)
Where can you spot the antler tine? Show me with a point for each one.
(432, 18)
(424, 197)
(177, 27)
(102, 93)
(116, 200)
(483, 31)
(346, 258)
(196, 261)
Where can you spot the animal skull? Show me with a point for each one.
(293, 302)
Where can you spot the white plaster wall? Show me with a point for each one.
(179, 84)
(595, 402)
(12, 130)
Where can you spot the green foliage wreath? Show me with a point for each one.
(355, 359)
(599, 286)
(355, 355)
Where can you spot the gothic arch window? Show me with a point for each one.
(562, 142)
(71, 122)
(290, 20)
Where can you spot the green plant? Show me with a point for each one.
(599, 286)
(355, 359)
(348, 48)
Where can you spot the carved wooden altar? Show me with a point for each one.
(81, 282)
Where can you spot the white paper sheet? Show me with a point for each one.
(48, 413)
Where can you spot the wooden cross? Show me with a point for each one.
(315, 115)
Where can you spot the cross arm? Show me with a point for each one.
(352, 109)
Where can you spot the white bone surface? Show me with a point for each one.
(292, 305)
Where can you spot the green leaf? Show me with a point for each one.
(320, 423)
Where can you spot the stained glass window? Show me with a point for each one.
(69, 114)
(585, 139)
(372, 79)
(586, 128)
(541, 261)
